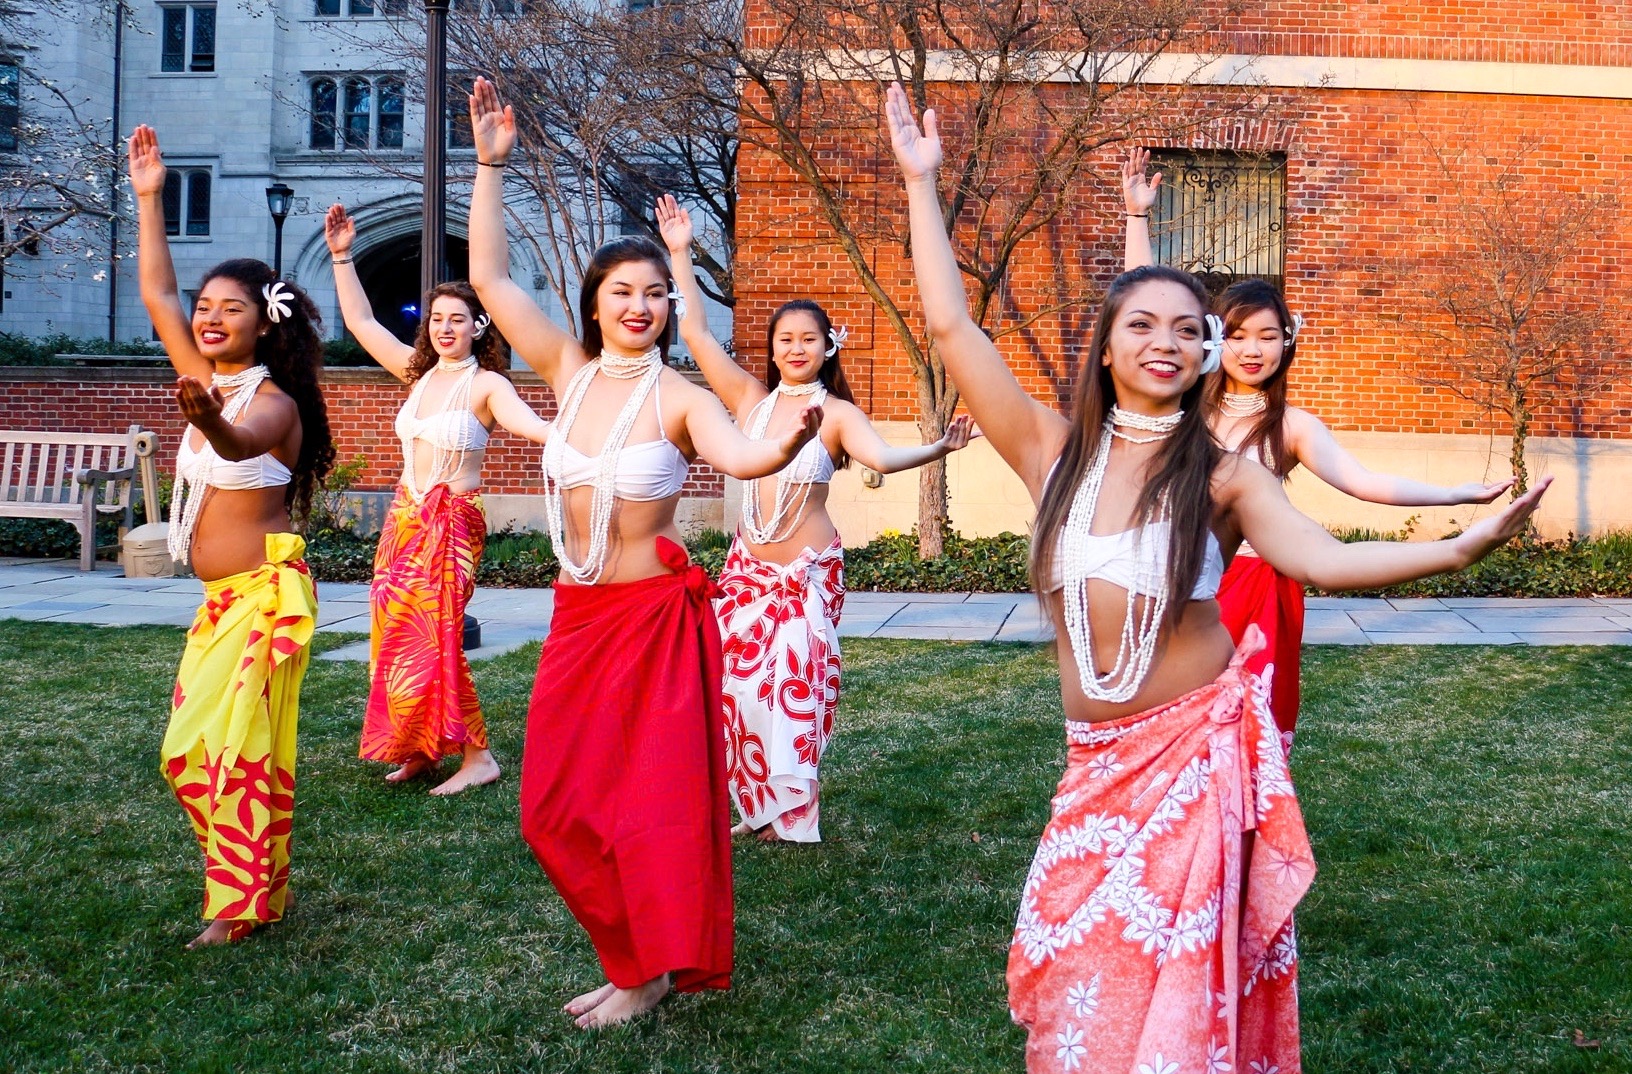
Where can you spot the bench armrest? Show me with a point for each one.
(94, 477)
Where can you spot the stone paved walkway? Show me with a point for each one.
(54, 591)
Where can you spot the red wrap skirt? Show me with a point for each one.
(1255, 592)
(623, 786)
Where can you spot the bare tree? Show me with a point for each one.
(1500, 314)
(1030, 95)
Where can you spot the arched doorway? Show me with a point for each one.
(390, 277)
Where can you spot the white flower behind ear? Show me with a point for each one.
(279, 301)
(1297, 326)
(1213, 345)
(482, 324)
(839, 336)
(678, 302)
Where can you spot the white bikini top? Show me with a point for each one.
(812, 466)
(651, 470)
(450, 432)
(1136, 560)
(261, 472)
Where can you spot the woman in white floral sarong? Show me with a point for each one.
(784, 578)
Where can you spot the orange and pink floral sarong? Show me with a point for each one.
(781, 626)
(421, 698)
(229, 750)
(1135, 949)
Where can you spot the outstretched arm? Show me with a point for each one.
(511, 413)
(1025, 433)
(735, 386)
(1138, 195)
(377, 340)
(719, 442)
(264, 425)
(1315, 447)
(551, 352)
(1300, 548)
(154, 269)
(861, 442)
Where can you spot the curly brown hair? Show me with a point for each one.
(491, 351)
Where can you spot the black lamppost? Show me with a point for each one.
(433, 266)
(279, 197)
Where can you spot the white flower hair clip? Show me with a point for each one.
(678, 300)
(1213, 345)
(839, 336)
(279, 301)
(482, 324)
(1297, 326)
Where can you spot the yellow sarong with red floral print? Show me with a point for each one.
(421, 699)
(229, 751)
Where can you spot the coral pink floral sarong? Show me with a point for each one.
(781, 626)
(1133, 953)
(422, 699)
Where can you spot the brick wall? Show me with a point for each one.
(363, 403)
(1360, 184)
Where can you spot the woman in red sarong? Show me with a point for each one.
(1155, 927)
(1247, 411)
(784, 578)
(422, 701)
(623, 794)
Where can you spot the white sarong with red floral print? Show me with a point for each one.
(781, 626)
(1135, 951)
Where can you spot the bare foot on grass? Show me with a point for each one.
(589, 1000)
(624, 1004)
(742, 829)
(222, 930)
(478, 770)
(768, 834)
(408, 771)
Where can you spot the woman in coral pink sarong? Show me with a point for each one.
(1155, 927)
(422, 702)
(1247, 411)
(784, 578)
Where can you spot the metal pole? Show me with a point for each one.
(433, 260)
(277, 247)
(113, 186)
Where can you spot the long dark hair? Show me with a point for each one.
(491, 350)
(608, 257)
(1183, 467)
(292, 351)
(1238, 302)
(830, 373)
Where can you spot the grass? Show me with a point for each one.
(1468, 809)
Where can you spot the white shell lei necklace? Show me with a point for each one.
(648, 367)
(187, 498)
(1140, 629)
(791, 495)
(445, 462)
(1244, 405)
(1162, 425)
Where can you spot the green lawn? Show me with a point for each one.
(1469, 809)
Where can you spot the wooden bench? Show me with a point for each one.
(78, 477)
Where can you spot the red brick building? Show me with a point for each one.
(1359, 96)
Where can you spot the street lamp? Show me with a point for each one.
(279, 197)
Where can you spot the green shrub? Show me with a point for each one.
(18, 349)
(345, 352)
(50, 538)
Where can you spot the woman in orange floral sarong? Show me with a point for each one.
(1155, 928)
(422, 701)
(1247, 410)
(784, 579)
(257, 442)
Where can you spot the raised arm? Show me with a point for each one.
(552, 353)
(154, 269)
(1300, 548)
(377, 340)
(735, 386)
(1138, 195)
(718, 441)
(1027, 434)
(1313, 445)
(511, 413)
(861, 441)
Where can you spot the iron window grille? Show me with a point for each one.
(1221, 215)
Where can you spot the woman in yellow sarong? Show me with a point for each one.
(422, 701)
(256, 444)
